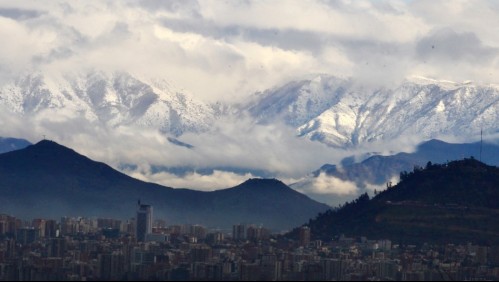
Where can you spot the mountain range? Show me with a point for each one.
(50, 180)
(374, 172)
(455, 202)
(378, 170)
(336, 111)
(112, 99)
(12, 144)
(342, 113)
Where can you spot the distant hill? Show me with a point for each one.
(12, 144)
(378, 170)
(452, 202)
(50, 180)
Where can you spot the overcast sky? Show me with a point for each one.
(229, 49)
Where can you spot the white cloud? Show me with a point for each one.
(274, 148)
(328, 186)
(394, 180)
(204, 182)
(229, 49)
(231, 144)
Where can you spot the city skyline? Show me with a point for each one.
(93, 251)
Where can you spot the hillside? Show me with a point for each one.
(453, 202)
(50, 180)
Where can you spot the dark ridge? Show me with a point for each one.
(379, 170)
(455, 202)
(262, 183)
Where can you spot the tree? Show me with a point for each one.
(404, 175)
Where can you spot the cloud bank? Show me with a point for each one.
(226, 50)
(242, 146)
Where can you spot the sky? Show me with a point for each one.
(228, 50)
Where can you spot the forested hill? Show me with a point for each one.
(452, 202)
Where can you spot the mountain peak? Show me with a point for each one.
(48, 143)
(47, 148)
(262, 183)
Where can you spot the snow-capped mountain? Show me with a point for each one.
(113, 99)
(340, 113)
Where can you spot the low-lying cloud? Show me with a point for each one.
(232, 143)
(325, 184)
(204, 182)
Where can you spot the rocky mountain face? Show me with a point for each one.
(343, 114)
(338, 112)
(115, 99)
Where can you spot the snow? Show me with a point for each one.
(114, 99)
(345, 115)
(332, 110)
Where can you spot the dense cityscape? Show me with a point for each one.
(83, 249)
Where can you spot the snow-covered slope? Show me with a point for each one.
(342, 114)
(112, 99)
(298, 102)
(335, 111)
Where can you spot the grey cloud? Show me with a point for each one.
(376, 63)
(384, 7)
(19, 14)
(362, 51)
(190, 7)
(119, 33)
(54, 55)
(203, 27)
(286, 39)
(448, 46)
